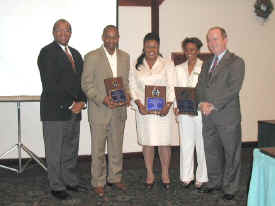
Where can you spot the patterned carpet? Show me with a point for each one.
(31, 187)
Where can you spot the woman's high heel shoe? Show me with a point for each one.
(187, 184)
(149, 186)
(198, 185)
(166, 185)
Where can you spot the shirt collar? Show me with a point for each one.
(155, 64)
(62, 46)
(221, 55)
(108, 54)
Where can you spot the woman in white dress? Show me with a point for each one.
(190, 127)
(153, 129)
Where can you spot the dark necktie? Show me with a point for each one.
(70, 58)
(212, 70)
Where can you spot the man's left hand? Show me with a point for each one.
(206, 108)
(77, 107)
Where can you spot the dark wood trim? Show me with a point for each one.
(155, 16)
(160, 2)
(143, 3)
(117, 17)
(154, 4)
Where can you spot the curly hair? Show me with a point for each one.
(193, 40)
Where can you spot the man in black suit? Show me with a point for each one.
(218, 89)
(61, 103)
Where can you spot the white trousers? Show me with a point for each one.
(190, 129)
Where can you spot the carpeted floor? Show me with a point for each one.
(31, 187)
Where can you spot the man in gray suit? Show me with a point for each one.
(106, 118)
(218, 92)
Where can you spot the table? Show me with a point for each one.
(19, 145)
(262, 183)
(266, 133)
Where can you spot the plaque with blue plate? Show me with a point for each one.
(155, 98)
(186, 100)
(114, 89)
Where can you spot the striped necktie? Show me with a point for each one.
(212, 69)
(70, 58)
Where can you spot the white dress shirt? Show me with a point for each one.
(112, 59)
(64, 49)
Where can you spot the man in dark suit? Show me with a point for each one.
(61, 103)
(218, 91)
(106, 118)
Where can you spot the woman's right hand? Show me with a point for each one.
(141, 108)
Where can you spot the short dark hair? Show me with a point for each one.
(222, 30)
(61, 20)
(193, 40)
(106, 28)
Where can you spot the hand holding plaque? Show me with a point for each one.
(115, 90)
(155, 98)
(186, 100)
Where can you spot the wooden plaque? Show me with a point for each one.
(186, 100)
(114, 89)
(155, 98)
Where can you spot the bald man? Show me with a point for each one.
(61, 103)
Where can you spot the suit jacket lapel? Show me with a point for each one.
(75, 60)
(64, 56)
(61, 53)
(119, 67)
(106, 62)
(222, 64)
(207, 67)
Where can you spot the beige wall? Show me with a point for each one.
(133, 24)
(249, 37)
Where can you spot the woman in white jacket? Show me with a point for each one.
(190, 127)
(153, 129)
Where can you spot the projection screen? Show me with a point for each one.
(26, 26)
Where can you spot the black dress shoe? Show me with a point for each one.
(99, 191)
(118, 185)
(207, 189)
(77, 188)
(228, 197)
(61, 195)
(149, 186)
(166, 185)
